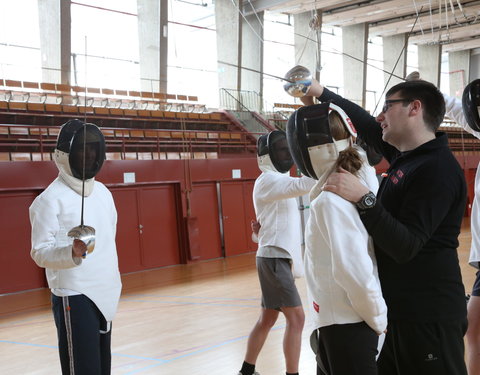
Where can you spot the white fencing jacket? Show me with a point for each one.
(52, 214)
(454, 110)
(340, 265)
(277, 212)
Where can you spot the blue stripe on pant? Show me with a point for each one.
(84, 336)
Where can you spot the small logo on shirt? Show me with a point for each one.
(316, 307)
(430, 357)
(396, 176)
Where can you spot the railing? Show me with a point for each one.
(237, 103)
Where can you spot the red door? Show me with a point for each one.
(147, 229)
(18, 271)
(237, 213)
(204, 206)
(159, 226)
(128, 237)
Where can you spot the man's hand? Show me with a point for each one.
(255, 226)
(346, 185)
(315, 90)
(78, 248)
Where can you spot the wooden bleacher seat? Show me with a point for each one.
(41, 132)
(85, 109)
(4, 156)
(130, 156)
(20, 156)
(199, 155)
(144, 156)
(151, 134)
(70, 109)
(101, 111)
(130, 112)
(17, 94)
(143, 113)
(17, 106)
(116, 111)
(114, 156)
(49, 91)
(137, 133)
(36, 107)
(157, 113)
(53, 107)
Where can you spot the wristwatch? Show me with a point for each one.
(367, 201)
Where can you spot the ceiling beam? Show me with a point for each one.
(461, 45)
(425, 22)
(374, 12)
(291, 6)
(445, 35)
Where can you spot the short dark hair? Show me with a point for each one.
(432, 100)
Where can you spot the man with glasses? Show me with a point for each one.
(414, 222)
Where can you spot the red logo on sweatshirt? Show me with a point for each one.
(316, 307)
(396, 176)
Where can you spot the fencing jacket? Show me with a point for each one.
(415, 224)
(454, 110)
(52, 214)
(340, 266)
(277, 212)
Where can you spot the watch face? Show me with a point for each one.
(369, 201)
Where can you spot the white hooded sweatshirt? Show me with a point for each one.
(340, 265)
(277, 212)
(52, 214)
(454, 110)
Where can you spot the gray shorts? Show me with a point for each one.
(277, 283)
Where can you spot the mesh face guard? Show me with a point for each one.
(273, 153)
(85, 146)
(279, 151)
(308, 128)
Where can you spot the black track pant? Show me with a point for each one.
(347, 349)
(83, 336)
(431, 348)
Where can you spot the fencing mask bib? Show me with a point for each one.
(311, 141)
(471, 104)
(273, 153)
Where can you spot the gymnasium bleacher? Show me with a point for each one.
(136, 124)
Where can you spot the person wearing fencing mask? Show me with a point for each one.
(85, 285)
(344, 294)
(279, 257)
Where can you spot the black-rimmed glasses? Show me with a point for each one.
(386, 106)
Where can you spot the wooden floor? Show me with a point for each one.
(182, 320)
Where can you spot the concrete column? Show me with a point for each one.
(474, 64)
(307, 42)
(55, 40)
(392, 49)
(458, 69)
(252, 55)
(229, 29)
(153, 44)
(429, 63)
(355, 39)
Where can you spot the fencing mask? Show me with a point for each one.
(471, 104)
(273, 153)
(81, 141)
(316, 134)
